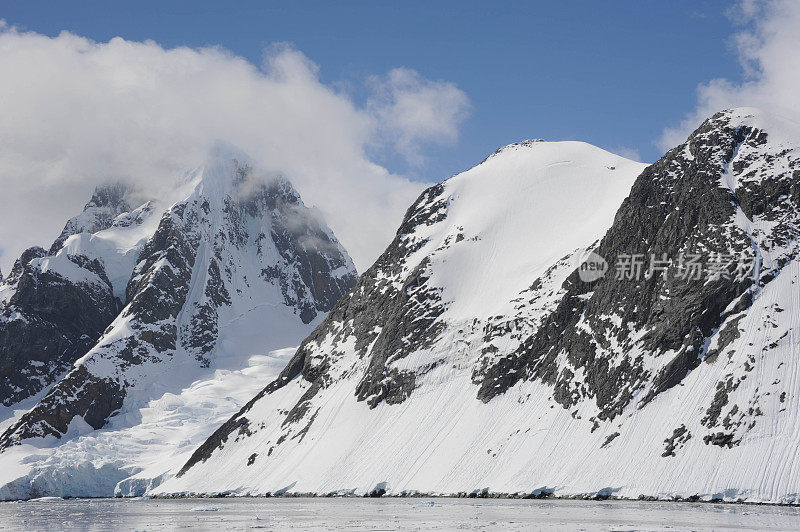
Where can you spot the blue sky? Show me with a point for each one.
(614, 74)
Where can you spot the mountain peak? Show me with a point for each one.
(782, 130)
(109, 195)
(108, 201)
(551, 152)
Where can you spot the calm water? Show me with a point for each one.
(388, 514)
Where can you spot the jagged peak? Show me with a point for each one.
(229, 174)
(27, 256)
(108, 201)
(110, 194)
(780, 129)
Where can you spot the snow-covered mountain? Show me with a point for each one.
(476, 355)
(236, 269)
(391, 369)
(55, 305)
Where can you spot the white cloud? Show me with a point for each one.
(413, 111)
(768, 48)
(74, 113)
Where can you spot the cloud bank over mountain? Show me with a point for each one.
(74, 113)
(767, 48)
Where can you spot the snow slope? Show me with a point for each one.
(471, 358)
(522, 209)
(116, 247)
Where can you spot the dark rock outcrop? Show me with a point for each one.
(49, 321)
(683, 205)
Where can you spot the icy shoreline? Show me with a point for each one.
(390, 513)
(544, 496)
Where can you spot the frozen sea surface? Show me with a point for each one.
(388, 514)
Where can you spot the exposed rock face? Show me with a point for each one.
(394, 320)
(473, 354)
(234, 245)
(54, 306)
(313, 272)
(47, 324)
(727, 192)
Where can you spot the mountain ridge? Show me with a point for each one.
(623, 387)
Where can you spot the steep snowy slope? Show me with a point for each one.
(473, 357)
(54, 306)
(238, 268)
